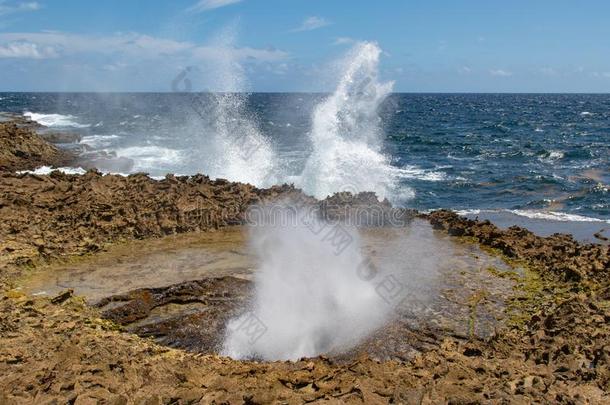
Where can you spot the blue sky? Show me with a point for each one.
(288, 45)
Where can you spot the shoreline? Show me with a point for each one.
(553, 350)
(79, 158)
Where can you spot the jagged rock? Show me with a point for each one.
(23, 149)
(557, 254)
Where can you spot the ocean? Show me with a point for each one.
(529, 156)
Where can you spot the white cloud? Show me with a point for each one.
(129, 43)
(500, 73)
(115, 67)
(549, 71)
(312, 23)
(17, 7)
(205, 5)
(136, 46)
(605, 75)
(343, 41)
(464, 70)
(237, 54)
(27, 50)
(277, 69)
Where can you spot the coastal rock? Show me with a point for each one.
(559, 255)
(23, 149)
(60, 214)
(60, 137)
(105, 161)
(210, 302)
(20, 120)
(364, 210)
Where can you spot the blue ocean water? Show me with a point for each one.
(534, 155)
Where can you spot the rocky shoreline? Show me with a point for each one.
(554, 349)
(22, 149)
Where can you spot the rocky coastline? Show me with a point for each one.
(554, 349)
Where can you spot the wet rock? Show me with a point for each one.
(105, 161)
(63, 297)
(60, 137)
(364, 210)
(190, 315)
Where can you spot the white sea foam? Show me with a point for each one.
(54, 120)
(151, 158)
(346, 134)
(552, 156)
(467, 212)
(556, 154)
(556, 216)
(586, 113)
(535, 214)
(98, 141)
(44, 170)
(414, 172)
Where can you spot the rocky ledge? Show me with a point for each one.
(22, 149)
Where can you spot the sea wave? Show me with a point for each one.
(44, 170)
(533, 214)
(551, 156)
(416, 173)
(54, 120)
(98, 141)
(557, 216)
(464, 213)
(151, 158)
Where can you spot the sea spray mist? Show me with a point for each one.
(346, 134)
(310, 293)
(229, 143)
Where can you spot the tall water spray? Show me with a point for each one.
(346, 133)
(233, 146)
(311, 296)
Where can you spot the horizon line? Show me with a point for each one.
(300, 92)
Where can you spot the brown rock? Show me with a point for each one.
(23, 149)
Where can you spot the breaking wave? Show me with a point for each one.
(54, 120)
(346, 134)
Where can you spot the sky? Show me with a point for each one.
(289, 45)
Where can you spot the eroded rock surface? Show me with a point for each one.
(190, 315)
(22, 149)
(53, 216)
(558, 254)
